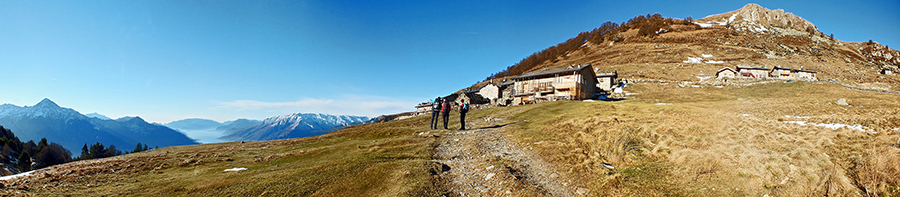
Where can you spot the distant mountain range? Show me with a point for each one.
(279, 127)
(72, 129)
(293, 126)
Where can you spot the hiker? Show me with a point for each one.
(445, 111)
(462, 115)
(435, 112)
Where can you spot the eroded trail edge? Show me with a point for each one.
(482, 162)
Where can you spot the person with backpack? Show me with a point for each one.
(435, 112)
(445, 111)
(462, 115)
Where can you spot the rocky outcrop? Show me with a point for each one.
(879, 54)
(755, 18)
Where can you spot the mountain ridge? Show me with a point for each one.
(293, 126)
(72, 129)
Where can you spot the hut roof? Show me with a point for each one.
(552, 71)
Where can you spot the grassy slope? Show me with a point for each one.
(380, 159)
(729, 141)
(371, 160)
(723, 141)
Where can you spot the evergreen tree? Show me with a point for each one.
(138, 148)
(24, 161)
(85, 153)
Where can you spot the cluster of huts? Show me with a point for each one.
(766, 73)
(576, 82)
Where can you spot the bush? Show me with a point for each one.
(51, 155)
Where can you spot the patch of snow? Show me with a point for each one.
(704, 25)
(663, 104)
(830, 125)
(15, 176)
(235, 169)
(714, 62)
(703, 78)
(745, 114)
(706, 55)
(731, 19)
(694, 60)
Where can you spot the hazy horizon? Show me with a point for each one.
(171, 60)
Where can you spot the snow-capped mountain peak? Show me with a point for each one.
(294, 125)
(45, 108)
(46, 103)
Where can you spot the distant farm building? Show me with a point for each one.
(606, 79)
(776, 72)
(753, 72)
(804, 75)
(886, 71)
(490, 92)
(781, 73)
(570, 83)
(423, 108)
(468, 96)
(792, 74)
(725, 73)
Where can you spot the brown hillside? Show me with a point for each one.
(787, 41)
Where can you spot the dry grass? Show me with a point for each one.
(381, 159)
(726, 141)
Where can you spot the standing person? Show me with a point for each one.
(435, 112)
(445, 111)
(462, 115)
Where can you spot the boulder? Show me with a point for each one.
(842, 102)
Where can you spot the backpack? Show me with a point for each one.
(465, 108)
(436, 106)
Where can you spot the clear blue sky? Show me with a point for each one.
(222, 60)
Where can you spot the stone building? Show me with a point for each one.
(725, 73)
(606, 79)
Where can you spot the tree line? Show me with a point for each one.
(648, 26)
(26, 156)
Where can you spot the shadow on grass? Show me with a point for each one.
(496, 126)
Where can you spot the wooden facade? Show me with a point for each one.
(792, 74)
(571, 83)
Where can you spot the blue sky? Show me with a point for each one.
(222, 60)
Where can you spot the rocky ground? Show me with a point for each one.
(482, 162)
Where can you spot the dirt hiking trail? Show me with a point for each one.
(482, 162)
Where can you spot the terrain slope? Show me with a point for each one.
(677, 132)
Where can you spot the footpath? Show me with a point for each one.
(481, 162)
